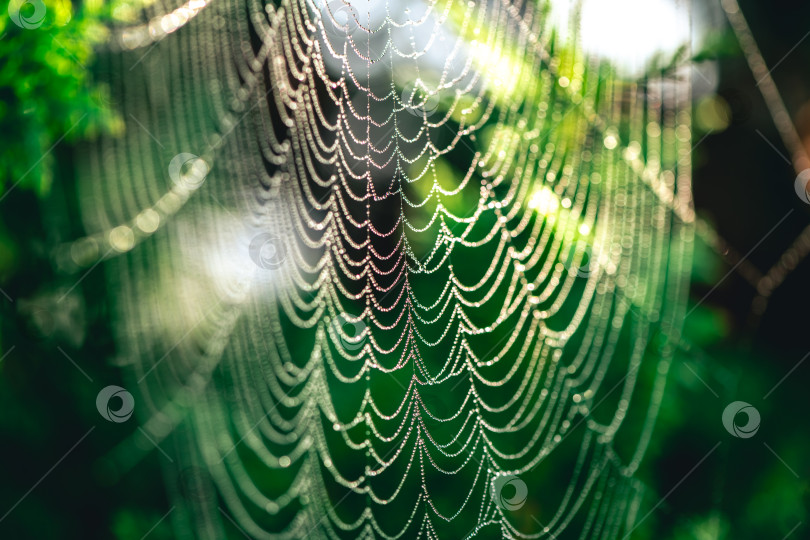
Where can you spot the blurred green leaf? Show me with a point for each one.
(46, 88)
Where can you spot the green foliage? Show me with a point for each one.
(719, 43)
(47, 92)
(48, 97)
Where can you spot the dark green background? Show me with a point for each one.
(742, 187)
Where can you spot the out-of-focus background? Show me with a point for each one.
(744, 338)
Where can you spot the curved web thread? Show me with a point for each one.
(378, 263)
(791, 258)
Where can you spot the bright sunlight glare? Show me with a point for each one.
(629, 33)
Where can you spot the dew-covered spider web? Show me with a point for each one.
(391, 269)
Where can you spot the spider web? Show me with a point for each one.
(390, 269)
